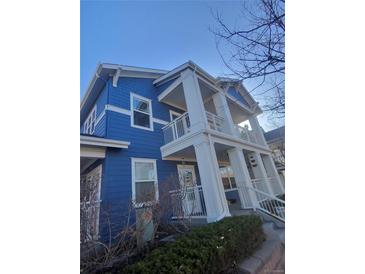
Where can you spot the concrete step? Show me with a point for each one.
(264, 260)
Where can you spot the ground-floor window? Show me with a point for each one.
(229, 182)
(144, 181)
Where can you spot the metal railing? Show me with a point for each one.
(215, 122)
(188, 202)
(268, 203)
(176, 128)
(246, 134)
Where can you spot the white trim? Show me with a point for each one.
(143, 160)
(102, 142)
(129, 113)
(132, 96)
(116, 77)
(238, 103)
(189, 64)
(99, 118)
(174, 113)
(162, 122)
(91, 118)
(118, 109)
(170, 88)
(92, 152)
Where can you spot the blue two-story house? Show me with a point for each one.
(147, 134)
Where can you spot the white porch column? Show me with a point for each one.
(242, 177)
(221, 106)
(214, 196)
(194, 100)
(259, 171)
(258, 131)
(273, 173)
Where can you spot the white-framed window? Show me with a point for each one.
(141, 112)
(89, 124)
(144, 181)
(174, 115)
(229, 182)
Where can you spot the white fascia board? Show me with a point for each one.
(102, 142)
(189, 64)
(171, 73)
(244, 92)
(91, 85)
(170, 88)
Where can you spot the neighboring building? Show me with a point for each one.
(276, 141)
(141, 128)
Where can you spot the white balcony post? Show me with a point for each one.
(242, 178)
(214, 195)
(259, 171)
(221, 106)
(272, 172)
(194, 100)
(257, 130)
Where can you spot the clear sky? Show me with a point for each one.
(155, 34)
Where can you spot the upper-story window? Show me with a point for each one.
(89, 124)
(141, 112)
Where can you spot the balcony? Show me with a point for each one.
(181, 126)
(245, 134)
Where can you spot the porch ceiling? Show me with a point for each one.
(188, 154)
(239, 114)
(174, 94)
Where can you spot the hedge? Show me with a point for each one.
(213, 248)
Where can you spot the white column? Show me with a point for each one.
(259, 171)
(214, 195)
(221, 106)
(258, 130)
(273, 173)
(194, 100)
(242, 177)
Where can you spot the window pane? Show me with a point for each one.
(141, 119)
(141, 105)
(145, 191)
(144, 171)
(226, 183)
(233, 182)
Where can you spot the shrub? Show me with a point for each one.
(208, 249)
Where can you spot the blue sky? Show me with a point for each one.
(155, 34)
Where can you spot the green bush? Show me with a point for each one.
(207, 249)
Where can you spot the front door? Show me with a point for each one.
(191, 197)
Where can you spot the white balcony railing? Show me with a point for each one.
(176, 128)
(214, 121)
(246, 134)
(188, 202)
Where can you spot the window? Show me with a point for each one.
(89, 124)
(229, 182)
(141, 112)
(144, 181)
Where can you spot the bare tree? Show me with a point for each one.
(254, 49)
